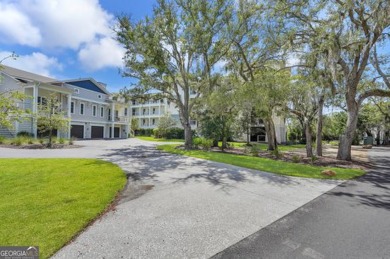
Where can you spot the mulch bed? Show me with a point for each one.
(296, 155)
(40, 146)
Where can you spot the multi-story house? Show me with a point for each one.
(93, 112)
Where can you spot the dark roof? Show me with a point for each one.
(86, 84)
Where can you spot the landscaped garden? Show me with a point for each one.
(46, 202)
(30, 142)
(253, 161)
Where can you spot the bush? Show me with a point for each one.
(254, 150)
(197, 142)
(207, 144)
(144, 132)
(41, 140)
(24, 134)
(2, 140)
(61, 141)
(276, 153)
(175, 133)
(18, 141)
(71, 140)
(30, 141)
(296, 159)
(157, 133)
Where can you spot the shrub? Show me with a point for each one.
(313, 159)
(254, 150)
(61, 141)
(276, 153)
(157, 133)
(30, 141)
(41, 140)
(296, 159)
(2, 140)
(175, 133)
(24, 134)
(207, 144)
(144, 132)
(18, 141)
(197, 142)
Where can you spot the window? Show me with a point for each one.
(144, 111)
(193, 122)
(76, 91)
(100, 96)
(125, 111)
(94, 110)
(133, 111)
(71, 107)
(143, 122)
(116, 113)
(153, 121)
(102, 112)
(82, 105)
(42, 100)
(133, 101)
(154, 110)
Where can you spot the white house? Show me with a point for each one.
(92, 110)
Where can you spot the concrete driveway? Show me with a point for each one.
(180, 207)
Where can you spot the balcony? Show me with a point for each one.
(122, 119)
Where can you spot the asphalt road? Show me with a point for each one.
(350, 221)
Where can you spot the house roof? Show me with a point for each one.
(25, 76)
(89, 84)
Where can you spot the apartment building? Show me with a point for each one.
(93, 112)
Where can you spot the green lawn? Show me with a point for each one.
(159, 139)
(46, 202)
(264, 164)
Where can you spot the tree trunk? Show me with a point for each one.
(309, 147)
(271, 134)
(50, 138)
(319, 126)
(187, 136)
(344, 152)
(248, 134)
(224, 138)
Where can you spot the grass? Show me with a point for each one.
(265, 164)
(46, 202)
(264, 146)
(159, 139)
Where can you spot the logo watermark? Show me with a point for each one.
(19, 252)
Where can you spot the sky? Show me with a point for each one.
(67, 39)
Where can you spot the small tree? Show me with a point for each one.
(50, 117)
(134, 125)
(164, 124)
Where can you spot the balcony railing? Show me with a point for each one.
(120, 119)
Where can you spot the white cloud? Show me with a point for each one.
(68, 23)
(101, 53)
(82, 26)
(35, 63)
(16, 27)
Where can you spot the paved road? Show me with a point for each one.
(350, 221)
(186, 207)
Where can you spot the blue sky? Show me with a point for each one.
(67, 39)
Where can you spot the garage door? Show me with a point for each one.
(97, 132)
(77, 131)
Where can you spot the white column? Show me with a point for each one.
(69, 113)
(34, 110)
(112, 119)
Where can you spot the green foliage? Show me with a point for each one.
(24, 134)
(255, 149)
(50, 117)
(277, 153)
(10, 108)
(196, 142)
(165, 123)
(175, 133)
(2, 140)
(61, 141)
(334, 125)
(144, 132)
(296, 159)
(167, 50)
